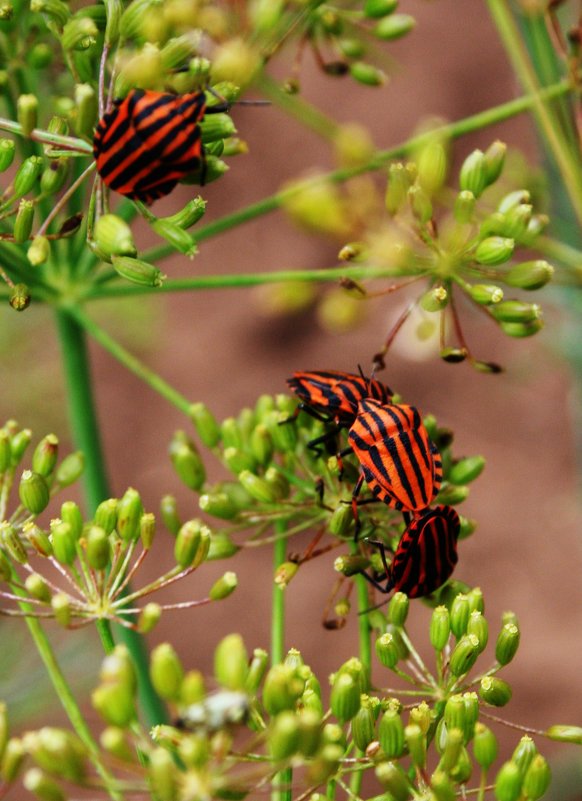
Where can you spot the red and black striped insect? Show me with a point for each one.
(151, 140)
(400, 463)
(426, 554)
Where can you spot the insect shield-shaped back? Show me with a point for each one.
(148, 142)
(399, 462)
(335, 393)
(427, 553)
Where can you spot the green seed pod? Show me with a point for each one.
(432, 167)
(421, 716)
(536, 225)
(177, 51)
(529, 274)
(516, 311)
(163, 776)
(261, 444)
(256, 671)
(478, 626)
(397, 189)
(363, 727)
(187, 543)
(106, 515)
(138, 271)
(513, 199)
(117, 668)
(345, 697)
(325, 765)
(282, 689)
(462, 771)
(33, 492)
(61, 606)
(391, 734)
(486, 294)
(341, 523)
(169, 513)
(166, 672)
(39, 251)
(517, 220)
(476, 602)
(283, 737)
(459, 615)
(37, 588)
(351, 48)
(149, 617)
(238, 461)
(86, 102)
(27, 113)
(387, 650)
(56, 10)
(70, 469)
(221, 546)
(113, 237)
(455, 714)
(225, 585)
(217, 126)
(394, 631)
(495, 160)
(521, 330)
(64, 543)
(420, 204)
(471, 701)
(416, 742)
(537, 778)
(257, 487)
(376, 9)
(147, 530)
(284, 573)
(435, 300)
(12, 760)
(507, 643)
(442, 787)
(494, 250)
(565, 734)
(115, 741)
(231, 434)
(394, 780)
(464, 207)
(524, 753)
(193, 689)
(278, 483)
(484, 746)
(398, 609)
(464, 655)
(349, 565)
(38, 539)
(71, 514)
(394, 27)
(27, 175)
(473, 174)
(495, 692)
(129, 512)
(7, 150)
(79, 33)
(231, 662)
(452, 495)
(508, 782)
(97, 548)
(188, 464)
(309, 722)
(5, 450)
(12, 543)
(176, 236)
(23, 221)
(44, 458)
(188, 216)
(367, 74)
(452, 747)
(466, 470)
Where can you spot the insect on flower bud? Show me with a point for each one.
(464, 655)
(7, 150)
(166, 672)
(508, 782)
(33, 492)
(39, 251)
(394, 26)
(231, 662)
(345, 697)
(473, 176)
(138, 271)
(224, 587)
(70, 469)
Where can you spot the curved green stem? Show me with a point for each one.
(69, 143)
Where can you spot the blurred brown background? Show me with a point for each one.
(216, 347)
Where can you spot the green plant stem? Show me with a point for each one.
(364, 634)
(552, 132)
(130, 362)
(453, 130)
(69, 143)
(295, 106)
(283, 780)
(86, 436)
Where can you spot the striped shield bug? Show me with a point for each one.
(400, 463)
(149, 141)
(426, 554)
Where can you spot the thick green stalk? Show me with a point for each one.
(365, 642)
(283, 779)
(86, 437)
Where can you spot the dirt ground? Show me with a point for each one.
(217, 347)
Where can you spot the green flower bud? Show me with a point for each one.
(257, 670)
(432, 167)
(345, 697)
(113, 237)
(38, 539)
(39, 251)
(149, 617)
(278, 483)
(188, 464)
(507, 643)
(257, 487)
(37, 588)
(7, 150)
(436, 299)
(420, 204)
(166, 672)
(33, 492)
(261, 444)
(80, 33)
(394, 780)
(367, 74)
(391, 733)
(217, 126)
(341, 523)
(521, 330)
(486, 294)
(64, 543)
(162, 772)
(524, 753)
(169, 513)
(12, 760)
(238, 461)
(309, 722)
(97, 548)
(70, 469)
(45, 455)
(565, 734)
(106, 515)
(284, 436)
(86, 102)
(478, 626)
(421, 716)
(27, 175)
(516, 311)
(56, 10)
(484, 746)
(376, 9)
(464, 207)
(517, 220)
(186, 218)
(61, 606)
(416, 742)
(284, 736)
(535, 227)
(282, 689)
(397, 189)
(12, 543)
(5, 450)
(494, 250)
(495, 692)
(222, 588)
(508, 782)
(476, 602)
(455, 714)
(461, 772)
(471, 701)
(231, 662)
(442, 787)
(71, 514)
(464, 655)
(466, 470)
(387, 650)
(452, 495)
(394, 27)
(147, 530)
(221, 546)
(398, 609)
(363, 726)
(117, 668)
(495, 160)
(115, 741)
(129, 512)
(187, 543)
(284, 573)
(513, 199)
(349, 565)
(20, 440)
(459, 615)
(193, 689)
(27, 113)
(473, 175)
(138, 271)
(453, 745)
(537, 778)
(176, 236)
(23, 221)
(394, 631)
(529, 275)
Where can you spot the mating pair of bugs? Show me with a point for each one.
(401, 466)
